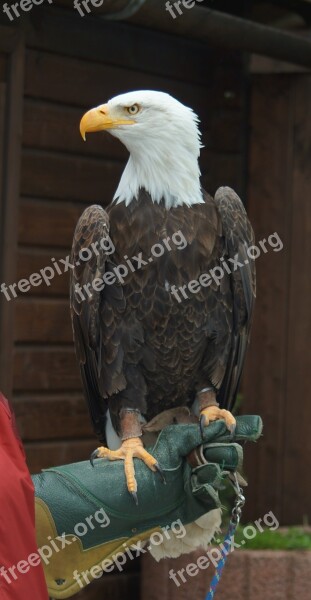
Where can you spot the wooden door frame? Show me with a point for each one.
(277, 366)
(11, 43)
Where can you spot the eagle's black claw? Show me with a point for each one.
(161, 472)
(202, 424)
(93, 455)
(232, 429)
(134, 496)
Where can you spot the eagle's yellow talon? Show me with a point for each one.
(214, 413)
(131, 448)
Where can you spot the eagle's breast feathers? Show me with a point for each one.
(138, 343)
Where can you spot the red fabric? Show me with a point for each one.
(17, 520)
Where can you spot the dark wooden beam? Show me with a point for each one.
(263, 65)
(300, 7)
(225, 31)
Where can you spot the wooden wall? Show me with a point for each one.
(278, 366)
(71, 65)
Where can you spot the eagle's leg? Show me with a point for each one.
(131, 447)
(210, 411)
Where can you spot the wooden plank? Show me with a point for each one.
(63, 177)
(55, 127)
(52, 416)
(296, 493)
(3, 94)
(223, 169)
(3, 67)
(226, 87)
(45, 321)
(264, 65)
(269, 199)
(45, 368)
(29, 261)
(80, 83)
(40, 220)
(225, 131)
(9, 200)
(42, 455)
(122, 45)
(9, 38)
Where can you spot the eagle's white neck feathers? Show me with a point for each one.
(164, 145)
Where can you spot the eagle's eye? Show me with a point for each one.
(133, 110)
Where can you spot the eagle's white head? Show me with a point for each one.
(163, 139)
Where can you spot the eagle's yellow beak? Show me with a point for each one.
(99, 118)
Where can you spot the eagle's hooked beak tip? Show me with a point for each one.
(95, 119)
(83, 129)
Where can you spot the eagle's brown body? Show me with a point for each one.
(137, 345)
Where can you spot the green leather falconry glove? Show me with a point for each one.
(85, 517)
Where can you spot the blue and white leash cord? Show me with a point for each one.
(234, 521)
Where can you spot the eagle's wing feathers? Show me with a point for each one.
(239, 237)
(96, 335)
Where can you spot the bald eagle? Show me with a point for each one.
(158, 330)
